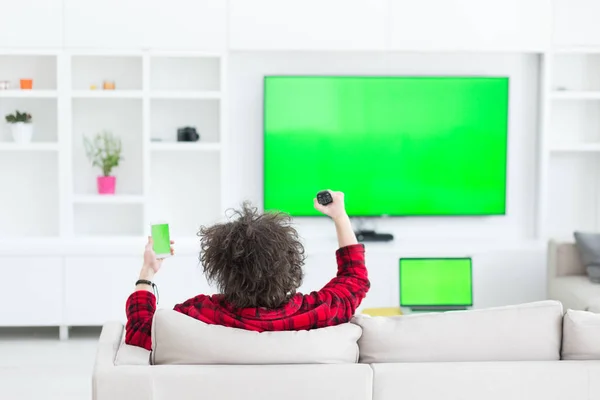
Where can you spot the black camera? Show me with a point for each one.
(187, 134)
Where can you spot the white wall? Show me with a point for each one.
(513, 271)
(245, 84)
(509, 264)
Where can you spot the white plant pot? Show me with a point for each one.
(21, 132)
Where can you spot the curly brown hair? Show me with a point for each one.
(255, 259)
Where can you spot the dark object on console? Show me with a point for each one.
(324, 198)
(588, 245)
(187, 134)
(372, 236)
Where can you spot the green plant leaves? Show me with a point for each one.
(103, 151)
(18, 117)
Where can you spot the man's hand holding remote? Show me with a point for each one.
(337, 211)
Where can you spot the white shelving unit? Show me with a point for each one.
(155, 93)
(570, 143)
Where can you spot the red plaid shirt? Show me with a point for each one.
(334, 304)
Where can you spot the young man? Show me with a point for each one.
(256, 262)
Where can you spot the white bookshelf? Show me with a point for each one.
(570, 137)
(53, 189)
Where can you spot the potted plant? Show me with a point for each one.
(21, 126)
(104, 151)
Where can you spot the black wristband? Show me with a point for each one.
(149, 283)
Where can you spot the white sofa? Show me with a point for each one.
(567, 279)
(497, 354)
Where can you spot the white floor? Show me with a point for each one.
(36, 365)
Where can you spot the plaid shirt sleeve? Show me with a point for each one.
(344, 293)
(140, 309)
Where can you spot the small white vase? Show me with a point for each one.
(21, 132)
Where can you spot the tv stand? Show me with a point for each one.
(372, 236)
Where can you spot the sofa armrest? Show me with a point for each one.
(108, 345)
(112, 382)
(564, 260)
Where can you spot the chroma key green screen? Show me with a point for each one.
(401, 146)
(436, 282)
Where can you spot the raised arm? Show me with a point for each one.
(344, 293)
(141, 304)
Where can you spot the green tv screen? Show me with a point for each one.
(400, 146)
(430, 282)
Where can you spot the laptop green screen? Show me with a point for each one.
(430, 282)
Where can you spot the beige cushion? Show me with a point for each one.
(575, 292)
(565, 259)
(131, 355)
(595, 306)
(544, 380)
(581, 336)
(528, 332)
(179, 339)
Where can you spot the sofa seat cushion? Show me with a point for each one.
(179, 339)
(543, 380)
(529, 332)
(576, 292)
(581, 336)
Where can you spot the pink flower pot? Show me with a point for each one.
(106, 184)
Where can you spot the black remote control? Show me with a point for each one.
(324, 198)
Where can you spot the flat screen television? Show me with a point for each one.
(436, 283)
(397, 146)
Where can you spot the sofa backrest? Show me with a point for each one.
(179, 339)
(581, 336)
(528, 332)
(564, 260)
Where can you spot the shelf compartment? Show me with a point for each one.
(185, 190)
(574, 123)
(30, 195)
(42, 69)
(122, 117)
(108, 220)
(43, 112)
(185, 74)
(124, 71)
(576, 72)
(573, 194)
(166, 116)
